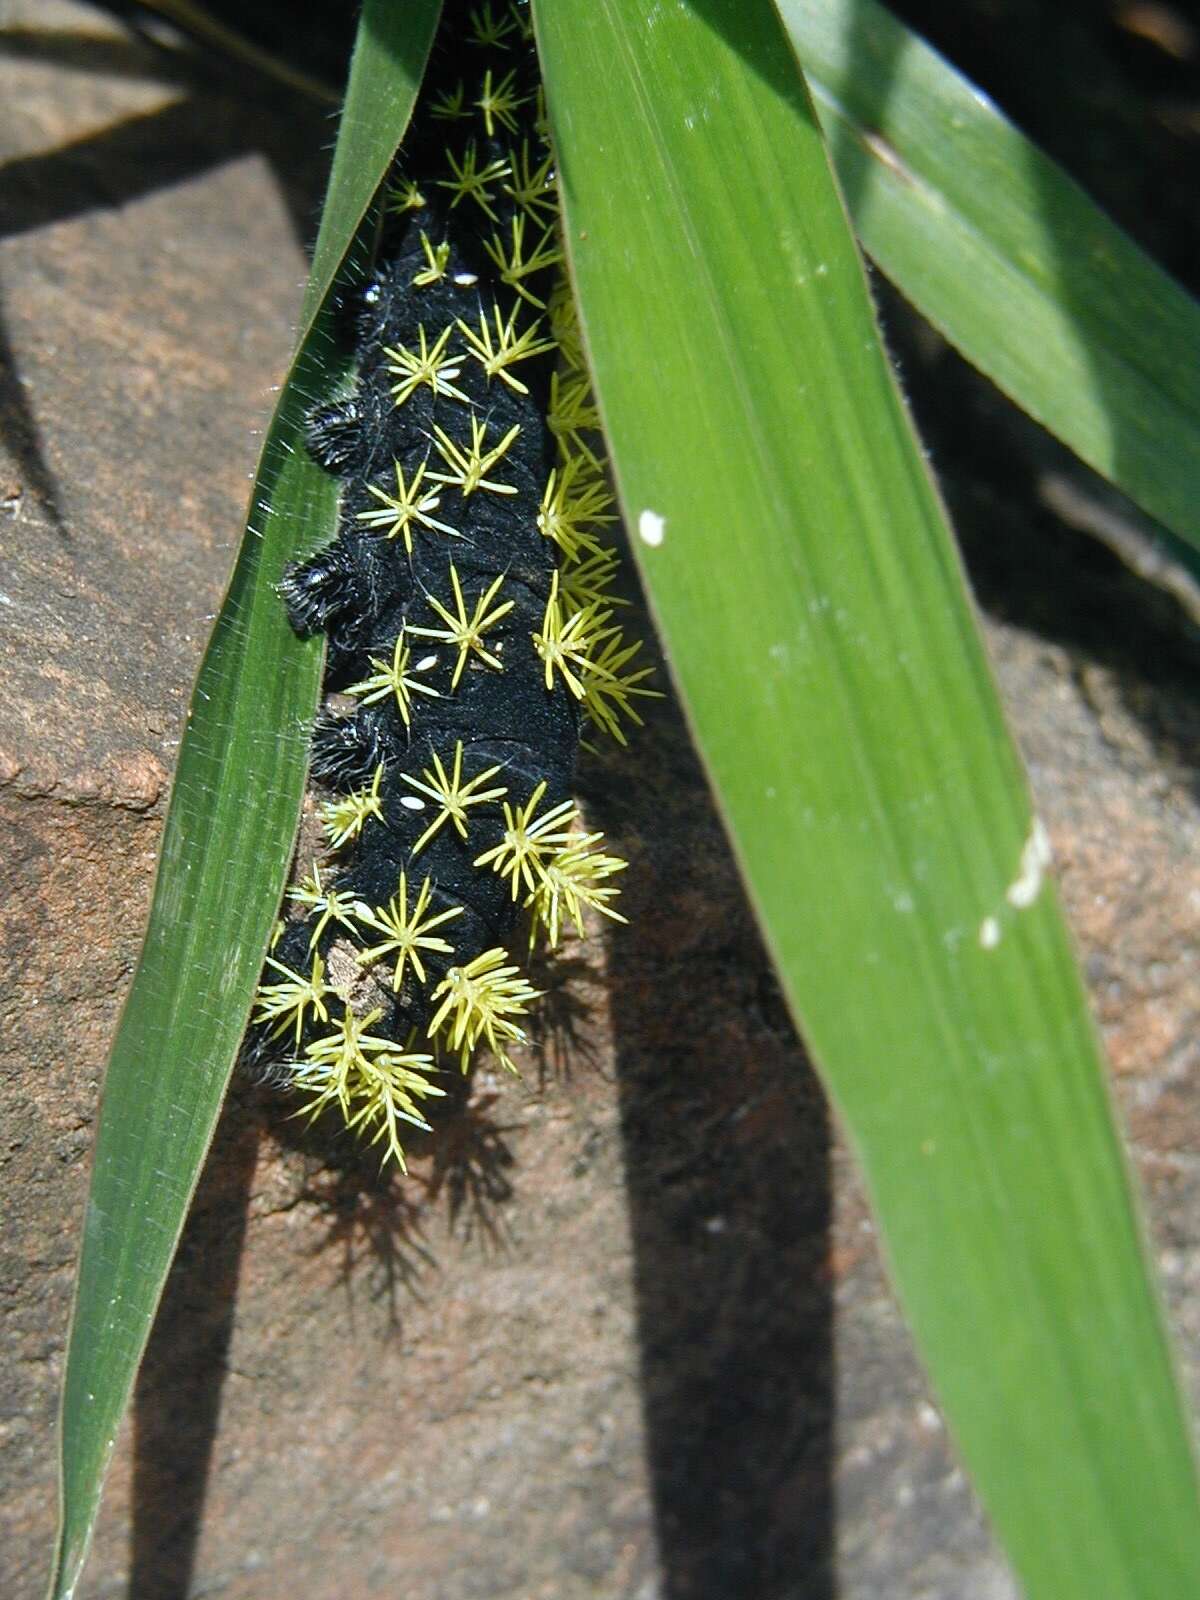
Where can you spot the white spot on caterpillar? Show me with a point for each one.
(989, 933)
(1035, 858)
(411, 802)
(652, 528)
(927, 1418)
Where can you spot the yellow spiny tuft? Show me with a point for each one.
(572, 878)
(333, 906)
(478, 1002)
(572, 414)
(564, 324)
(451, 104)
(569, 640)
(491, 32)
(371, 1081)
(523, 18)
(465, 632)
(468, 468)
(405, 195)
(396, 513)
(471, 181)
(436, 257)
(393, 678)
(497, 355)
(407, 932)
(432, 368)
(514, 266)
(451, 795)
(533, 186)
(527, 841)
(574, 503)
(499, 102)
(588, 582)
(610, 687)
(387, 1088)
(286, 1003)
(344, 818)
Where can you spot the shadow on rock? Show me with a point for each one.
(726, 1144)
(178, 1395)
(561, 1026)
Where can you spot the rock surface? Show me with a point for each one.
(627, 1333)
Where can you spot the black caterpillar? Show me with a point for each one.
(465, 603)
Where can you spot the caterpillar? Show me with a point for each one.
(467, 606)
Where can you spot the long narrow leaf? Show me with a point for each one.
(227, 842)
(1007, 256)
(817, 623)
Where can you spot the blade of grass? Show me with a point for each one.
(227, 840)
(1005, 254)
(818, 626)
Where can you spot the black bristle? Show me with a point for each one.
(347, 750)
(337, 435)
(338, 590)
(318, 591)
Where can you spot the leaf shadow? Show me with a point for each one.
(726, 1139)
(177, 1398)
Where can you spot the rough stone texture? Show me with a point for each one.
(626, 1334)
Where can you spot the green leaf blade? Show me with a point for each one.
(1007, 256)
(818, 626)
(227, 840)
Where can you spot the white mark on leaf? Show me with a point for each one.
(989, 933)
(229, 970)
(1035, 858)
(652, 528)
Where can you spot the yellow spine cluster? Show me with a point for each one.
(579, 637)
